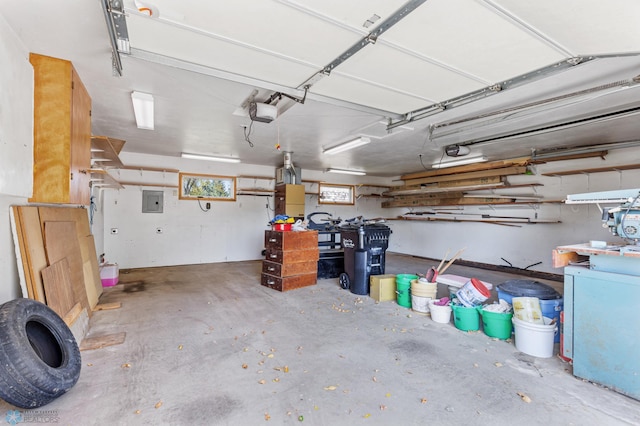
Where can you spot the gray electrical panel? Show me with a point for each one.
(152, 201)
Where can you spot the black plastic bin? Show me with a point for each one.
(364, 254)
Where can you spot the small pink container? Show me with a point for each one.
(109, 274)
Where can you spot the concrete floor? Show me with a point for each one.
(207, 345)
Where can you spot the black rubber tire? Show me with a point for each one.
(344, 280)
(39, 357)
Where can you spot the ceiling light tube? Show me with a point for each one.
(472, 160)
(347, 172)
(143, 109)
(347, 145)
(210, 158)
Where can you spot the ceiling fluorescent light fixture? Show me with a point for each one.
(347, 172)
(463, 161)
(210, 158)
(347, 146)
(143, 109)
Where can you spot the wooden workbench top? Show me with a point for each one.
(563, 255)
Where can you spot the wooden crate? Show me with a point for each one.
(288, 283)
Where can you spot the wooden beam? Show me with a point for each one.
(521, 161)
(504, 171)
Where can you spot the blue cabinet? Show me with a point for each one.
(602, 326)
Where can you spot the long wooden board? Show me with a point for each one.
(521, 161)
(503, 171)
(36, 258)
(26, 285)
(57, 285)
(61, 241)
(101, 341)
(91, 269)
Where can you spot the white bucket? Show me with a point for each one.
(440, 314)
(471, 294)
(420, 304)
(535, 339)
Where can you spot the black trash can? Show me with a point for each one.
(364, 254)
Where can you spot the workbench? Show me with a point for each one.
(601, 313)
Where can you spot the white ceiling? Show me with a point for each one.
(202, 60)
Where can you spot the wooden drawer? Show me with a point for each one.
(288, 269)
(292, 256)
(288, 283)
(290, 240)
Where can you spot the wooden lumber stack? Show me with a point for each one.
(451, 186)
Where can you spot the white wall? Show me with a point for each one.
(230, 231)
(16, 148)
(234, 231)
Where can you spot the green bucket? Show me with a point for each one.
(403, 289)
(465, 319)
(497, 324)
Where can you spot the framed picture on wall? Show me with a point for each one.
(207, 187)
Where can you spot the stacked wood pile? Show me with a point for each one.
(452, 186)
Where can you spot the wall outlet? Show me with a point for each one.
(114, 231)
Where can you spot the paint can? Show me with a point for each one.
(473, 293)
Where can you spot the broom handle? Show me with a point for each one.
(443, 259)
(455, 256)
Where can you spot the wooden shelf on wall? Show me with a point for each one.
(102, 178)
(256, 191)
(158, 185)
(595, 170)
(256, 177)
(107, 151)
(150, 169)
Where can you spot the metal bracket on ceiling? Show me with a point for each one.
(520, 80)
(279, 95)
(118, 34)
(372, 37)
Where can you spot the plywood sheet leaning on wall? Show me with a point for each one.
(60, 241)
(80, 217)
(92, 281)
(34, 258)
(57, 284)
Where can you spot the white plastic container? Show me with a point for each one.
(535, 339)
(420, 304)
(109, 273)
(440, 314)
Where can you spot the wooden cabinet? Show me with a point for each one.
(61, 133)
(291, 259)
(290, 200)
